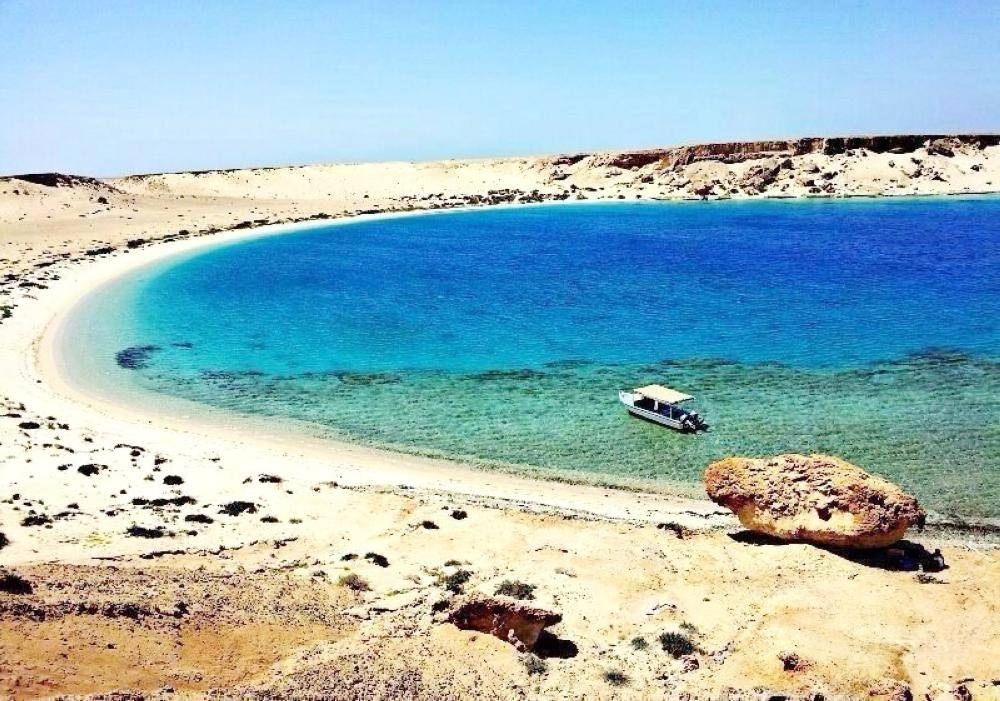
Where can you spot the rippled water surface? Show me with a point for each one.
(868, 329)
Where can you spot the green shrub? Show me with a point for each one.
(14, 584)
(354, 582)
(534, 664)
(518, 590)
(639, 643)
(615, 677)
(455, 581)
(677, 644)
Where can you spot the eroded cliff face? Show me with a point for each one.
(739, 151)
(871, 166)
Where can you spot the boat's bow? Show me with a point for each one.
(626, 398)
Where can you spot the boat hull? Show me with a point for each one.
(656, 418)
(629, 400)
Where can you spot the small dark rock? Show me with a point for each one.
(103, 250)
(675, 528)
(375, 558)
(160, 502)
(173, 480)
(933, 562)
(36, 520)
(235, 508)
(142, 532)
(791, 662)
(962, 693)
(689, 663)
(90, 469)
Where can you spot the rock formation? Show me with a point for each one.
(819, 498)
(508, 619)
(738, 151)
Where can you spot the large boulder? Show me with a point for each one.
(508, 619)
(942, 147)
(759, 177)
(817, 498)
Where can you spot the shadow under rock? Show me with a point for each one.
(549, 645)
(904, 556)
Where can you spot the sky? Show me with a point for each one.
(111, 87)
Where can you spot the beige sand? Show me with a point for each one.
(603, 558)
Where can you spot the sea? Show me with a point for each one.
(864, 328)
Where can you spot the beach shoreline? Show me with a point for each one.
(138, 531)
(192, 419)
(188, 418)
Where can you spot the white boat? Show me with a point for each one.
(661, 405)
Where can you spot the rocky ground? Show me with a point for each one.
(647, 612)
(148, 560)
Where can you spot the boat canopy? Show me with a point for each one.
(663, 394)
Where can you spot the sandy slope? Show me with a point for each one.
(249, 603)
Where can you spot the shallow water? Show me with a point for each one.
(868, 329)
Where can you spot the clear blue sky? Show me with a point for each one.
(111, 87)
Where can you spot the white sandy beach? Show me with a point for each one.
(204, 433)
(618, 565)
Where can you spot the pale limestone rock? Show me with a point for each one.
(818, 498)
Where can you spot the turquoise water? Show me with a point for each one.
(868, 329)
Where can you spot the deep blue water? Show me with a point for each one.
(866, 328)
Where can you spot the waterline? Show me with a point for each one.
(859, 329)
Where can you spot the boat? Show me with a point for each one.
(661, 405)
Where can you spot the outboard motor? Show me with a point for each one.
(697, 423)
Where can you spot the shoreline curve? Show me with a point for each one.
(348, 463)
(41, 379)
